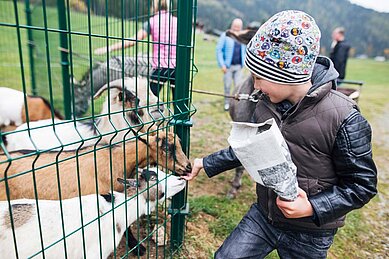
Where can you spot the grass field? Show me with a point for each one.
(46, 51)
(212, 215)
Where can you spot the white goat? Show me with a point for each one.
(68, 132)
(12, 108)
(25, 219)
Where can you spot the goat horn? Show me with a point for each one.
(114, 84)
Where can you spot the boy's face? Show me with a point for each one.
(276, 92)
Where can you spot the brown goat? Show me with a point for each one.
(39, 109)
(162, 149)
(13, 112)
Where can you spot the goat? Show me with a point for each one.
(13, 112)
(112, 225)
(94, 166)
(70, 135)
(173, 186)
(128, 67)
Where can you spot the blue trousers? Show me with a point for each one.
(234, 73)
(255, 237)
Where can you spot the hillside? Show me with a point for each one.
(366, 30)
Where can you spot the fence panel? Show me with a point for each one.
(102, 93)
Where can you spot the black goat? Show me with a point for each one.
(118, 68)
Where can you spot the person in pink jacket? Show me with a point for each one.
(162, 27)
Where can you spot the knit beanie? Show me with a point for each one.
(285, 48)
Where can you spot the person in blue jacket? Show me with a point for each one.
(230, 57)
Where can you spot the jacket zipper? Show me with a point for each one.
(270, 193)
(270, 204)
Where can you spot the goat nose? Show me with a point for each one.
(161, 107)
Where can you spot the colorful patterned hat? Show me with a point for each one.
(285, 48)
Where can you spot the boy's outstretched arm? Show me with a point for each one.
(214, 164)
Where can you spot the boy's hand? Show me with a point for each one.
(299, 208)
(197, 166)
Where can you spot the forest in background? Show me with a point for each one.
(366, 30)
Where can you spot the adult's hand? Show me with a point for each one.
(224, 69)
(299, 208)
(100, 51)
(197, 166)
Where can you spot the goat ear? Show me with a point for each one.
(133, 98)
(130, 98)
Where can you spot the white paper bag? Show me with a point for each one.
(263, 152)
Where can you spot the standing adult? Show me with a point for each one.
(339, 51)
(230, 57)
(162, 27)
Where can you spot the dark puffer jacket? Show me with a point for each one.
(337, 144)
(339, 56)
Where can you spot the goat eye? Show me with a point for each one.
(153, 178)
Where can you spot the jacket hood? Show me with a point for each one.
(323, 72)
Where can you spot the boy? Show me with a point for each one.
(329, 141)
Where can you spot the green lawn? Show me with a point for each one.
(47, 61)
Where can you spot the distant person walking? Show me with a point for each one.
(339, 51)
(162, 27)
(230, 57)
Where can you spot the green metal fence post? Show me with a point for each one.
(63, 41)
(31, 47)
(181, 96)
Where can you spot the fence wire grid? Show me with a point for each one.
(95, 116)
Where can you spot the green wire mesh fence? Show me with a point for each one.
(95, 111)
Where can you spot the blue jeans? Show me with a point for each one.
(255, 237)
